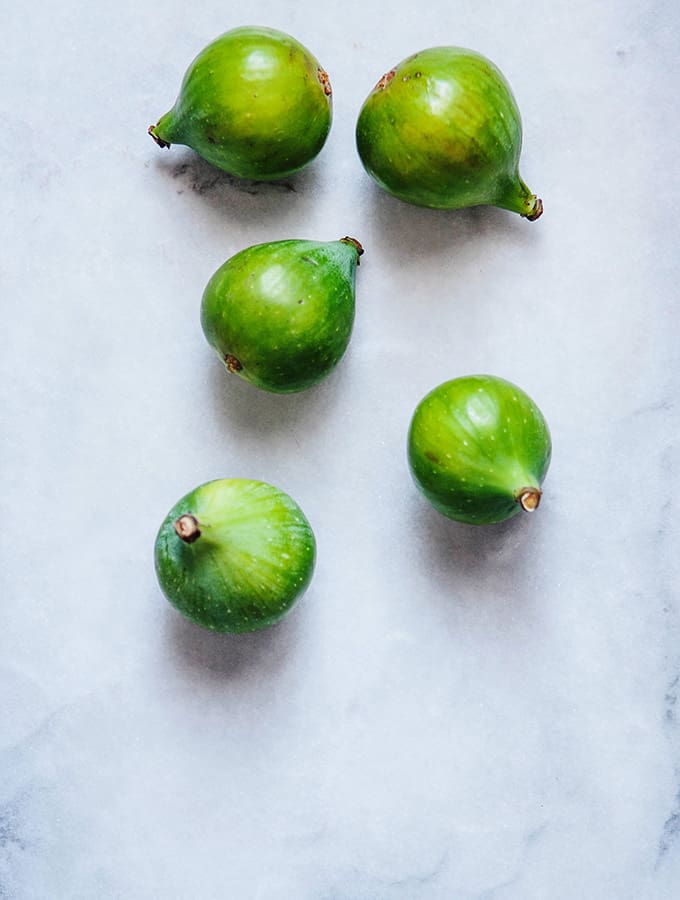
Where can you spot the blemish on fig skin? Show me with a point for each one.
(325, 81)
(385, 80)
(233, 364)
(431, 456)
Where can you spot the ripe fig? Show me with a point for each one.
(254, 103)
(442, 129)
(479, 449)
(234, 555)
(280, 315)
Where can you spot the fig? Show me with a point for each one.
(479, 449)
(234, 555)
(254, 103)
(442, 129)
(280, 315)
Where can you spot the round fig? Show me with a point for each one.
(280, 315)
(234, 555)
(442, 129)
(479, 449)
(255, 103)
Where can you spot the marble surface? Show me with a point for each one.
(450, 713)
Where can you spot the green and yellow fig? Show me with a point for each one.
(255, 103)
(442, 129)
(234, 555)
(479, 449)
(280, 315)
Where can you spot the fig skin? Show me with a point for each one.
(479, 449)
(442, 130)
(246, 554)
(280, 314)
(255, 103)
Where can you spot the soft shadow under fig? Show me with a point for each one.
(245, 409)
(232, 656)
(412, 232)
(480, 564)
(238, 198)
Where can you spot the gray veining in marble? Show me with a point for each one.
(450, 713)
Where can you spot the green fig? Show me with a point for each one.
(280, 314)
(442, 129)
(479, 449)
(234, 555)
(254, 103)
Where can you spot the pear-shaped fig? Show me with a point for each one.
(234, 555)
(280, 315)
(479, 449)
(254, 103)
(442, 129)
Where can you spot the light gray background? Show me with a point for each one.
(450, 713)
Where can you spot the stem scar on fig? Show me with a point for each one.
(357, 246)
(159, 141)
(529, 498)
(385, 80)
(187, 528)
(325, 81)
(232, 363)
(536, 210)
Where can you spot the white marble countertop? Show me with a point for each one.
(450, 713)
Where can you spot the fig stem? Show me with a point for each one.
(519, 198)
(528, 498)
(187, 528)
(159, 141)
(532, 206)
(353, 242)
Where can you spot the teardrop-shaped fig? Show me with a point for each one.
(234, 555)
(280, 315)
(479, 449)
(255, 103)
(442, 129)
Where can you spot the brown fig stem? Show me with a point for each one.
(159, 141)
(528, 498)
(536, 211)
(353, 242)
(187, 528)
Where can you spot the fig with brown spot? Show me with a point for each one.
(442, 129)
(255, 103)
(280, 315)
(479, 449)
